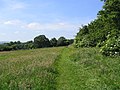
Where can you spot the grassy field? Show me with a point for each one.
(87, 69)
(64, 68)
(28, 69)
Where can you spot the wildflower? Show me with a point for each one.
(116, 52)
(111, 47)
(110, 52)
(111, 44)
(115, 45)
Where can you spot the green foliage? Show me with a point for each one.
(5, 48)
(111, 47)
(70, 41)
(29, 45)
(102, 30)
(53, 42)
(62, 41)
(94, 34)
(41, 41)
(16, 46)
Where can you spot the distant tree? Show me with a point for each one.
(5, 47)
(70, 41)
(41, 41)
(18, 42)
(29, 45)
(62, 41)
(29, 42)
(53, 42)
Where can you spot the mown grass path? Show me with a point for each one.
(68, 75)
(87, 69)
(68, 78)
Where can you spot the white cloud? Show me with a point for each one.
(9, 23)
(33, 26)
(12, 22)
(41, 26)
(51, 26)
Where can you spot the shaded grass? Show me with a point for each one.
(28, 69)
(87, 69)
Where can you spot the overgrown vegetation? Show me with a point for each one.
(104, 31)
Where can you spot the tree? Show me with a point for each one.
(28, 45)
(41, 41)
(61, 41)
(110, 15)
(103, 31)
(53, 42)
(70, 41)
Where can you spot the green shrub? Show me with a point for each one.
(100, 44)
(111, 47)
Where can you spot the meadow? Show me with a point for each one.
(28, 69)
(60, 68)
(87, 69)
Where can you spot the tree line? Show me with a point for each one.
(40, 41)
(103, 32)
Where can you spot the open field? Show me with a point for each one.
(64, 68)
(28, 69)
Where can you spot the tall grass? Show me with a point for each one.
(87, 69)
(28, 69)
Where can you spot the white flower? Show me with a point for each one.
(111, 47)
(116, 52)
(110, 52)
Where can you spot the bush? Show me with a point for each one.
(111, 47)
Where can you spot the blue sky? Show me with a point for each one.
(24, 19)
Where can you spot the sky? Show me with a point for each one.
(22, 20)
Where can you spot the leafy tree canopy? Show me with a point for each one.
(41, 41)
(102, 31)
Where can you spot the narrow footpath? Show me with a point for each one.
(68, 71)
